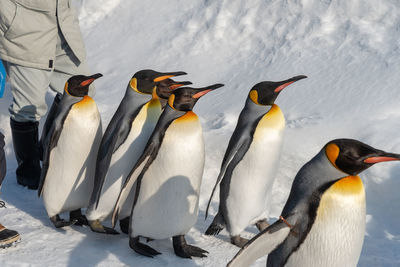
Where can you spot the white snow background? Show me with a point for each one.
(348, 49)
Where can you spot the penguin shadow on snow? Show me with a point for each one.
(94, 247)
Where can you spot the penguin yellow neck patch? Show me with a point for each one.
(332, 153)
(189, 116)
(86, 102)
(348, 185)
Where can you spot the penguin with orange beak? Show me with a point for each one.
(323, 220)
(124, 141)
(249, 166)
(168, 176)
(70, 150)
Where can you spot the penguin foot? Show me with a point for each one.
(59, 223)
(142, 249)
(79, 217)
(97, 227)
(183, 250)
(262, 224)
(216, 226)
(124, 225)
(239, 241)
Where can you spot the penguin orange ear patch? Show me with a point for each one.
(281, 87)
(200, 94)
(254, 96)
(332, 152)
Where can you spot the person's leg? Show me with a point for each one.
(65, 66)
(28, 87)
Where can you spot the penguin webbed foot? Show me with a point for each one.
(184, 250)
(216, 226)
(59, 223)
(97, 227)
(262, 225)
(142, 249)
(124, 225)
(77, 215)
(239, 241)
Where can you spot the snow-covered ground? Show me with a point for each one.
(348, 49)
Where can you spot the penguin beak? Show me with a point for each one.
(91, 79)
(206, 90)
(167, 75)
(382, 157)
(289, 82)
(178, 84)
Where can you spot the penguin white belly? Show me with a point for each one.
(70, 176)
(252, 179)
(337, 235)
(168, 199)
(122, 162)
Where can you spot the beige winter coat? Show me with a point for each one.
(28, 31)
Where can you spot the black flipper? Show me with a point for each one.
(54, 133)
(142, 249)
(51, 115)
(184, 250)
(240, 142)
(116, 133)
(149, 154)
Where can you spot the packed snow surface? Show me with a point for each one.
(348, 49)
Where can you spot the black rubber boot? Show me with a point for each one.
(26, 148)
(51, 115)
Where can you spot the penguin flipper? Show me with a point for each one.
(115, 134)
(143, 163)
(235, 152)
(53, 136)
(260, 245)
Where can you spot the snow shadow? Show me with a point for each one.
(94, 247)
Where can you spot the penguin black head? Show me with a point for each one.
(144, 81)
(184, 98)
(265, 93)
(352, 156)
(78, 85)
(165, 87)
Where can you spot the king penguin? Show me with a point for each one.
(124, 141)
(249, 166)
(70, 150)
(323, 220)
(168, 176)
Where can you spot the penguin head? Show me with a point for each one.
(265, 93)
(165, 87)
(352, 156)
(145, 81)
(78, 85)
(184, 98)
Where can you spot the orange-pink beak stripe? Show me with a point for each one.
(372, 160)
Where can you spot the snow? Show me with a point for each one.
(348, 49)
